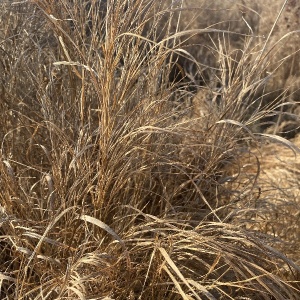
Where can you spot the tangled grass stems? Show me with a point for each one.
(112, 188)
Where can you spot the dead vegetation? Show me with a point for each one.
(266, 183)
(111, 186)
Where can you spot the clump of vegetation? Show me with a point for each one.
(123, 155)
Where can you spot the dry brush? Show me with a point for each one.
(112, 189)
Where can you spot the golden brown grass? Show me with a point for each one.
(110, 188)
(269, 177)
(271, 29)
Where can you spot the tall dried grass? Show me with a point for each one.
(109, 188)
(272, 30)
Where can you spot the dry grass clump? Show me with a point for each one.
(109, 188)
(198, 26)
(272, 27)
